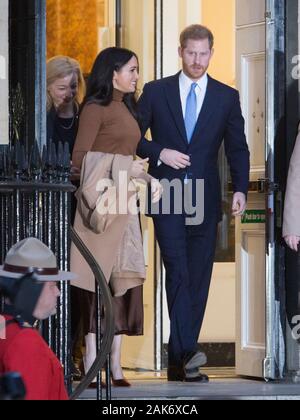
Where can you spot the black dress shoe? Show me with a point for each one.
(200, 378)
(177, 374)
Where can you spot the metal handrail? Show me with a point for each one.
(22, 186)
(109, 331)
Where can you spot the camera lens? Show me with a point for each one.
(12, 387)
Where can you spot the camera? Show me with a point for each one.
(12, 387)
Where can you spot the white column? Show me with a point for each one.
(111, 19)
(177, 15)
(193, 12)
(4, 72)
(170, 37)
(148, 42)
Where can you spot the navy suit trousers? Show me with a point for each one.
(188, 255)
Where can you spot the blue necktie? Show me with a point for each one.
(190, 119)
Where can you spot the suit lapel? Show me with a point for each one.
(174, 102)
(209, 104)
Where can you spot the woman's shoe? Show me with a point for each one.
(76, 373)
(120, 382)
(93, 385)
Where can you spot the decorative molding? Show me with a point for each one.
(17, 111)
(255, 110)
(250, 25)
(259, 235)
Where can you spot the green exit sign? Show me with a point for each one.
(254, 216)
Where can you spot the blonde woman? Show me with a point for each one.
(65, 92)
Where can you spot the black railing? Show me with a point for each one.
(35, 194)
(35, 201)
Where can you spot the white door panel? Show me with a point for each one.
(251, 83)
(249, 12)
(253, 104)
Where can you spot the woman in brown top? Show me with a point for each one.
(109, 124)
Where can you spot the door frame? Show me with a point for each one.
(275, 108)
(27, 70)
(290, 260)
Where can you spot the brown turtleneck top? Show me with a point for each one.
(107, 129)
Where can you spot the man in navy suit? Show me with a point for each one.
(190, 115)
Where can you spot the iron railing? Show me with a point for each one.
(35, 201)
(105, 326)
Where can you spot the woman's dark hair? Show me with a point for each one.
(100, 82)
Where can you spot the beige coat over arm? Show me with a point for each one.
(115, 240)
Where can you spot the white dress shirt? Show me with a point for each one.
(185, 84)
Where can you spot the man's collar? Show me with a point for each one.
(186, 82)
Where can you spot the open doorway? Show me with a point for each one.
(236, 313)
(81, 30)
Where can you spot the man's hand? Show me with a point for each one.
(292, 242)
(239, 204)
(174, 159)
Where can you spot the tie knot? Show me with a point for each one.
(193, 87)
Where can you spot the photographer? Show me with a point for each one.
(29, 282)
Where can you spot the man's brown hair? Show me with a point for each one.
(196, 32)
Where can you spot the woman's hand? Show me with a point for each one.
(137, 168)
(156, 190)
(292, 242)
(75, 173)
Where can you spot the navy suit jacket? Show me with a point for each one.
(220, 120)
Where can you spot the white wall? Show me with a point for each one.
(3, 71)
(219, 321)
(138, 35)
